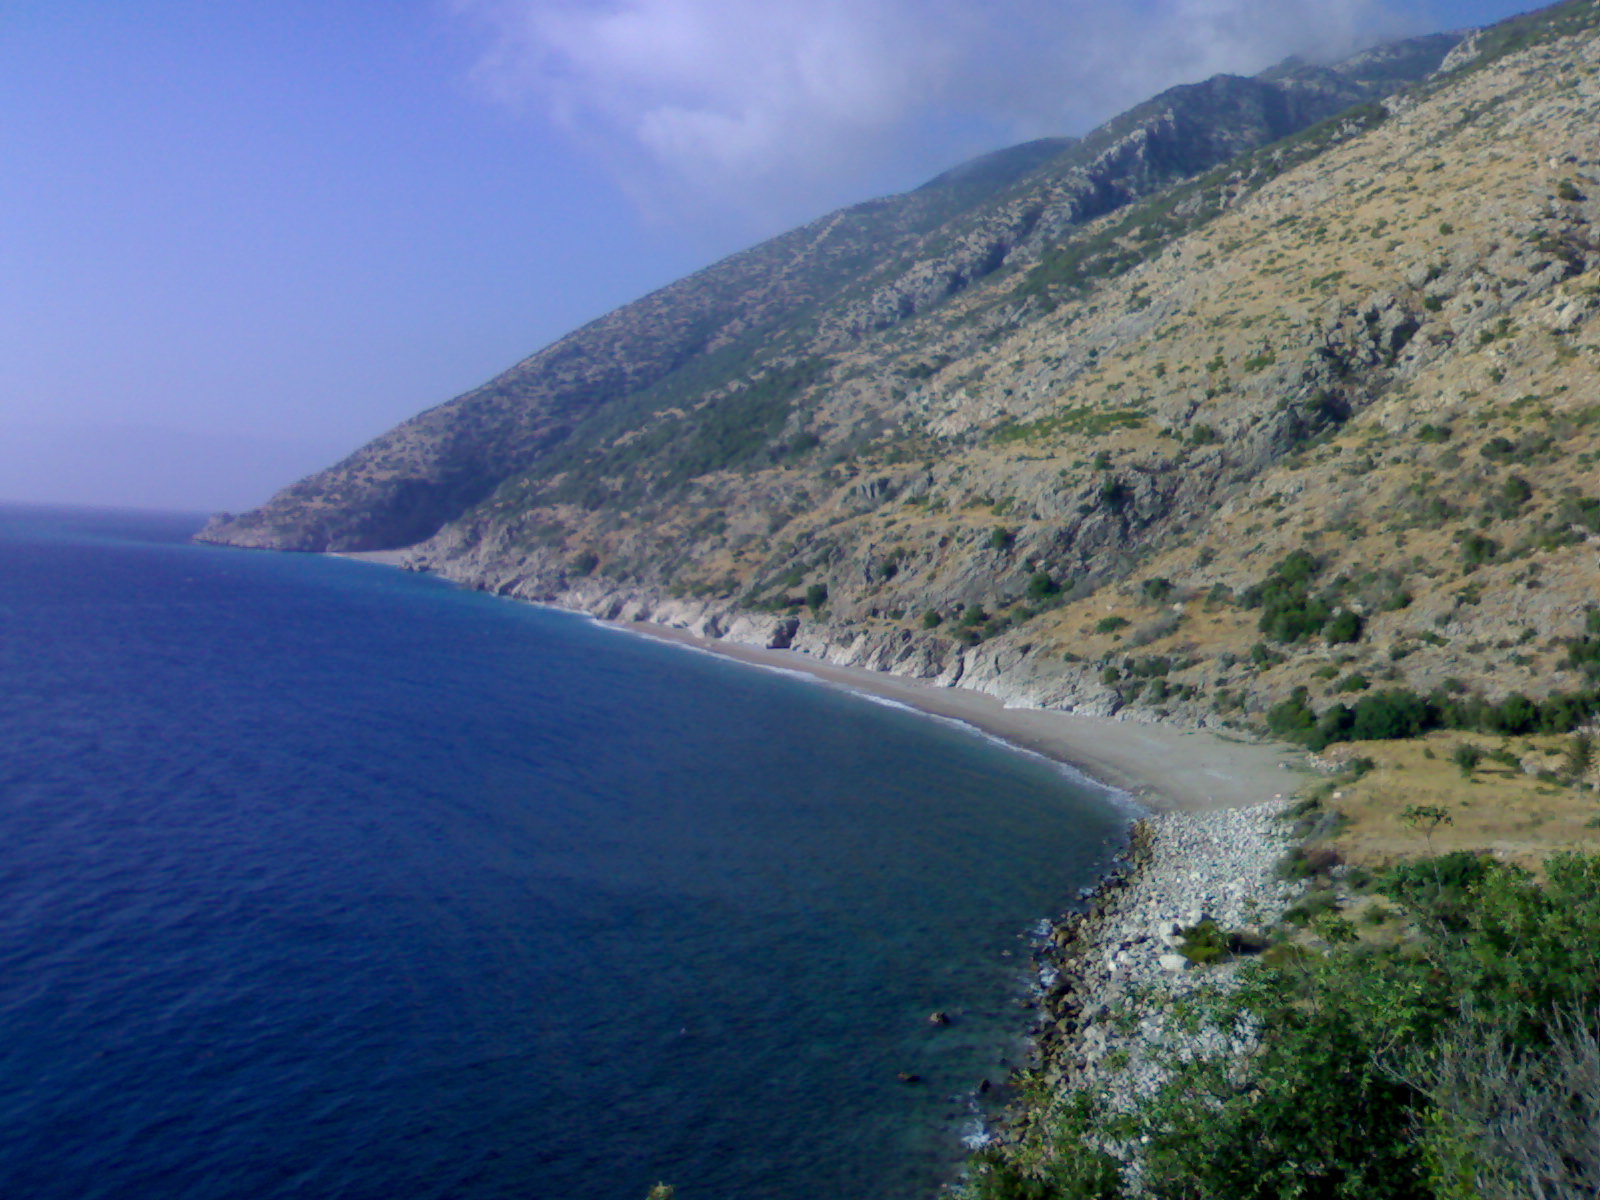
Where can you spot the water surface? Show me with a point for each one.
(322, 879)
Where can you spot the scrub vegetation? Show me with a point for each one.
(1433, 1038)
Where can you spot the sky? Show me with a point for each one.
(239, 239)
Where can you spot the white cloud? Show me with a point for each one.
(773, 110)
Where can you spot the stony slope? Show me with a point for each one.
(783, 311)
(1056, 438)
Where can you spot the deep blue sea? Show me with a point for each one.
(319, 879)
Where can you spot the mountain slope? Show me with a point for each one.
(784, 308)
(1185, 418)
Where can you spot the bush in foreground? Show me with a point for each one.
(1463, 1061)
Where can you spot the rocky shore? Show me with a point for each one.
(1107, 975)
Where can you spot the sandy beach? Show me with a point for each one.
(1164, 768)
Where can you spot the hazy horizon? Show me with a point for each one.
(242, 243)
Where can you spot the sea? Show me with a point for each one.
(324, 879)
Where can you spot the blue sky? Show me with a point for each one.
(239, 239)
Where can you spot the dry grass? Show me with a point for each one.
(1504, 810)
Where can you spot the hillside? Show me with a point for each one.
(1269, 384)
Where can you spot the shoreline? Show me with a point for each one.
(1161, 768)
(1205, 837)
(1109, 973)
(1205, 847)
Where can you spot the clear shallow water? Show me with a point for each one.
(321, 879)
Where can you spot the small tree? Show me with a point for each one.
(1467, 757)
(1427, 817)
(816, 596)
(1580, 757)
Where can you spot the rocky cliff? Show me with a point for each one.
(1270, 383)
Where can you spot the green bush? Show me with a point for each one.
(1157, 590)
(1205, 943)
(1345, 626)
(1293, 718)
(1383, 716)
(1311, 906)
(1070, 1167)
(1476, 550)
(1289, 610)
(1110, 624)
(1339, 1099)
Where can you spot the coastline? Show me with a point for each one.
(1205, 839)
(1163, 768)
(1206, 849)
(1124, 950)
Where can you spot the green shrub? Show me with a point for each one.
(1115, 494)
(1383, 716)
(1307, 862)
(1041, 586)
(1345, 626)
(1310, 907)
(1110, 624)
(1289, 610)
(1579, 758)
(1498, 449)
(1072, 1166)
(1157, 590)
(1205, 943)
(1476, 550)
(1293, 718)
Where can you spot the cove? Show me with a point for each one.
(325, 879)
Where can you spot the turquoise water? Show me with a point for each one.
(321, 879)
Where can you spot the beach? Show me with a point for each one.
(1162, 767)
